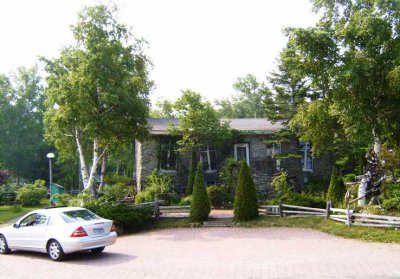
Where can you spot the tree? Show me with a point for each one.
(245, 205)
(249, 101)
(355, 64)
(199, 124)
(192, 174)
(200, 207)
(22, 146)
(97, 93)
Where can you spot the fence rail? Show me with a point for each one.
(346, 216)
(341, 215)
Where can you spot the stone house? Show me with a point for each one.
(250, 144)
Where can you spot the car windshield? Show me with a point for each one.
(74, 216)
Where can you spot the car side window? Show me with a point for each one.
(28, 220)
(41, 219)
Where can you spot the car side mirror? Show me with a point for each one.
(16, 225)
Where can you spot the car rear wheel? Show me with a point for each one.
(55, 251)
(3, 245)
(97, 250)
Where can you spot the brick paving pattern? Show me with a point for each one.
(217, 253)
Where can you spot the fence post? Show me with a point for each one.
(328, 209)
(156, 209)
(280, 209)
(348, 215)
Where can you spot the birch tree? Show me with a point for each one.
(97, 93)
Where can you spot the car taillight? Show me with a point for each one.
(79, 232)
(112, 227)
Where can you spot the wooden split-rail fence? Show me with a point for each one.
(346, 216)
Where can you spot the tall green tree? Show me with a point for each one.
(199, 124)
(22, 146)
(97, 93)
(358, 67)
(248, 103)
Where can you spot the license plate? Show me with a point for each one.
(98, 231)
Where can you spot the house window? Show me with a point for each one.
(209, 159)
(242, 152)
(277, 149)
(306, 159)
(168, 155)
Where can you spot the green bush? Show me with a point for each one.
(200, 207)
(31, 194)
(61, 199)
(246, 204)
(391, 193)
(185, 201)
(219, 196)
(113, 194)
(156, 184)
(337, 189)
(304, 199)
(281, 184)
(115, 179)
(228, 175)
(128, 218)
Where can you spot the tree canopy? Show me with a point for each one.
(97, 92)
(351, 61)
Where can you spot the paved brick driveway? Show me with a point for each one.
(218, 253)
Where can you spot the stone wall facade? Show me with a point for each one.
(262, 164)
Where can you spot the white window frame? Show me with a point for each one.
(305, 151)
(277, 149)
(207, 151)
(245, 145)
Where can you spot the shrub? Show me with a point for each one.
(200, 207)
(219, 196)
(185, 201)
(126, 217)
(304, 199)
(337, 189)
(156, 184)
(61, 199)
(31, 194)
(115, 179)
(246, 204)
(113, 194)
(281, 184)
(228, 175)
(392, 194)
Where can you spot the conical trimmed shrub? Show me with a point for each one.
(200, 207)
(245, 205)
(337, 189)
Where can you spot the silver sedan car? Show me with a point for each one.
(58, 231)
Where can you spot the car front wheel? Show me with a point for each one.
(55, 251)
(3, 245)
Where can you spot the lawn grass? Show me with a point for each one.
(387, 235)
(11, 212)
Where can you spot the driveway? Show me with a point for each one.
(218, 253)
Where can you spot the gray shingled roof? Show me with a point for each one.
(252, 125)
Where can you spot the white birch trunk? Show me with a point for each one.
(83, 168)
(95, 160)
(103, 171)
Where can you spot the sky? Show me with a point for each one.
(202, 45)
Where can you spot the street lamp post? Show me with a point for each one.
(50, 156)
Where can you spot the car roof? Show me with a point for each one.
(59, 209)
